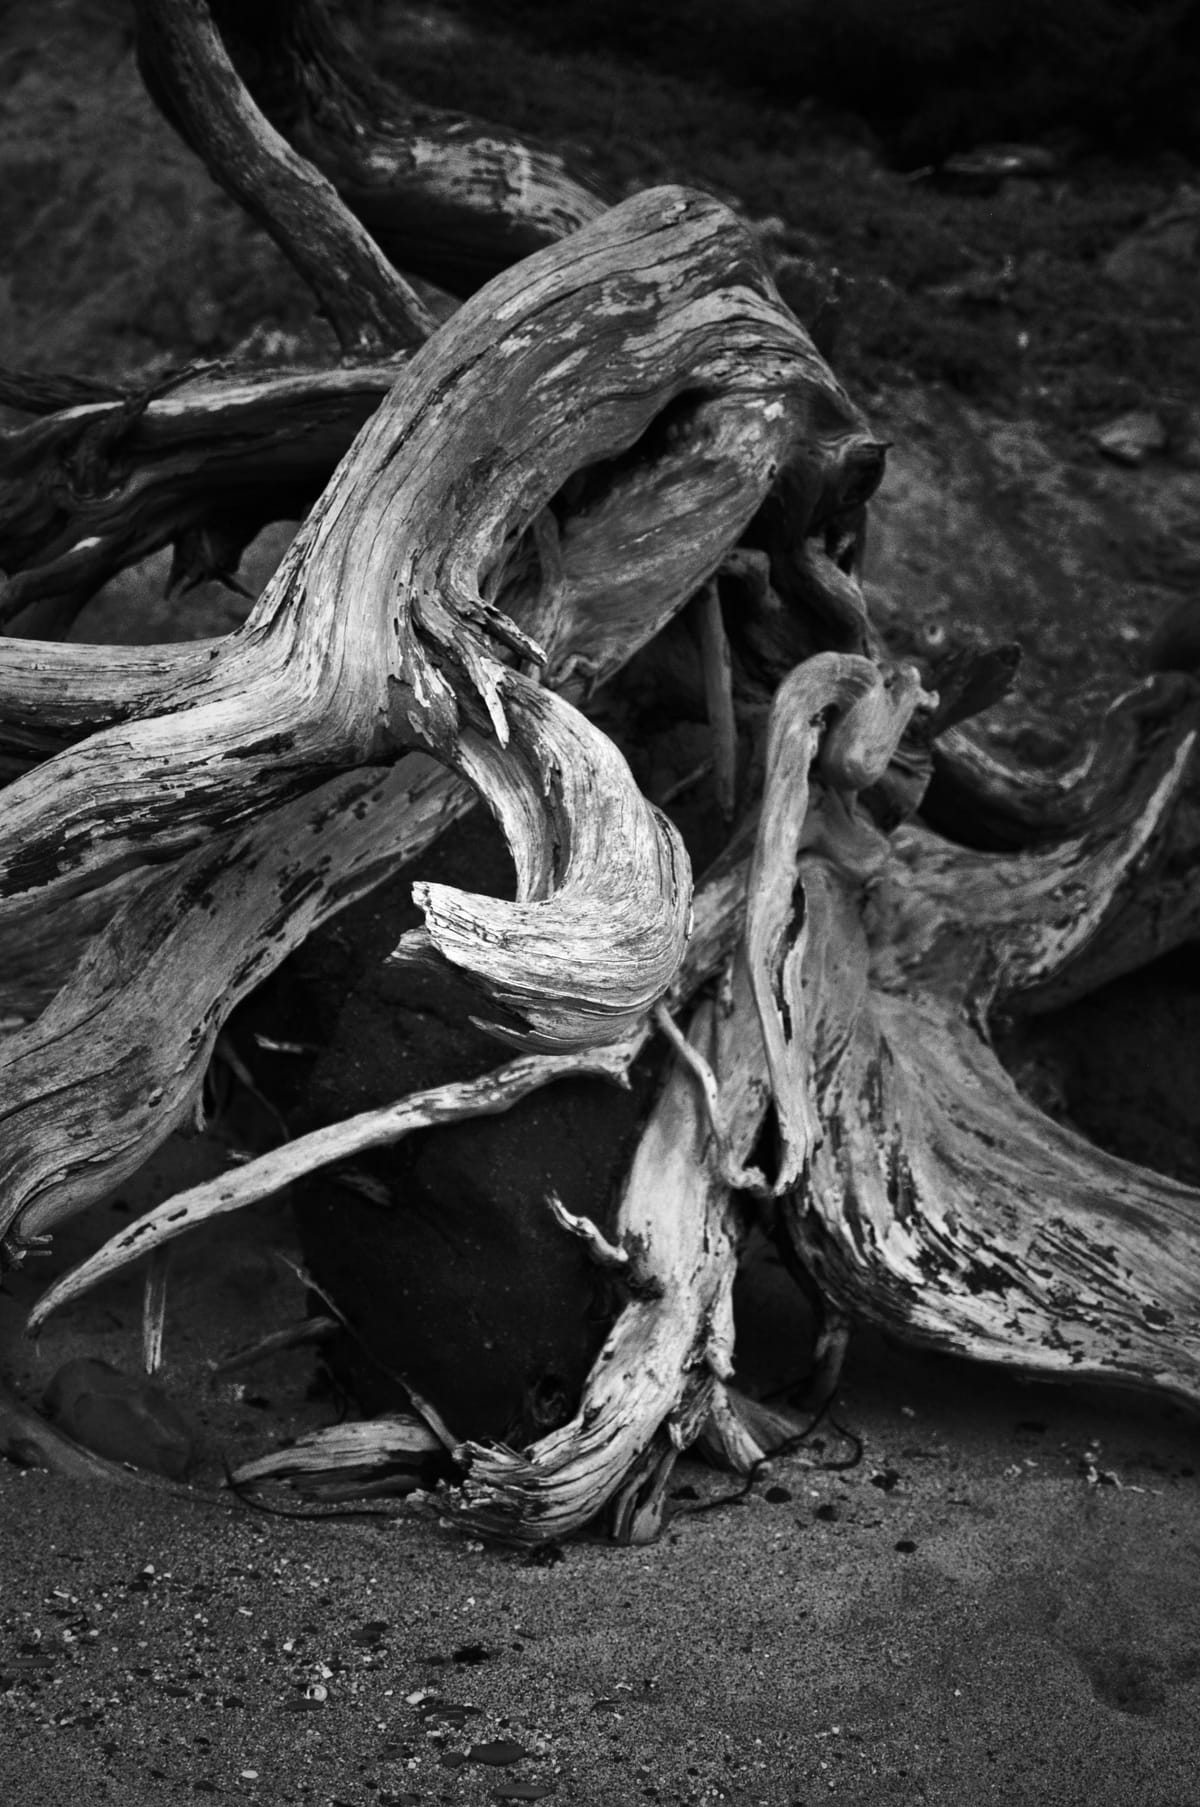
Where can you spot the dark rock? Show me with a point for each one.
(1161, 260)
(125, 1417)
(499, 1752)
(1132, 437)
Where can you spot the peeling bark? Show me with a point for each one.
(382, 1458)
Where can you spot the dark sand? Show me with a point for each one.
(999, 1603)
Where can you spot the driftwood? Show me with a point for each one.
(625, 443)
(201, 463)
(448, 198)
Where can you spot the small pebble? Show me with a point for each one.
(499, 1752)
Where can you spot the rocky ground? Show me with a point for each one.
(967, 1589)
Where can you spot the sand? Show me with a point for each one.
(998, 1602)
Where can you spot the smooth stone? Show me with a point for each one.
(126, 1417)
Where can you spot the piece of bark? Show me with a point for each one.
(393, 1454)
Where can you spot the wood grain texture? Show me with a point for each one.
(645, 360)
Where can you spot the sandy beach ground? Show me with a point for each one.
(997, 1602)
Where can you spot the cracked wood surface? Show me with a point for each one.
(641, 370)
(369, 304)
(582, 450)
(447, 197)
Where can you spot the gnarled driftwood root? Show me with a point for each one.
(626, 445)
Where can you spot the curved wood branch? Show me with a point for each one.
(944, 1206)
(370, 306)
(373, 817)
(363, 642)
(381, 818)
(839, 712)
(994, 928)
(578, 958)
(115, 1062)
(980, 800)
(696, 383)
(104, 483)
(447, 197)
(672, 1341)
(200, 1205)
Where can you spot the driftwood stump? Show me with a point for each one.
(622, 447)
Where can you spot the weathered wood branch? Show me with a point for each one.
(946, 1207)
(700, 389)
(447, 197)
(437, 194)
(990, 929)
(370, 306)
(387, 1456)
(246, 1185)
(672, 1340)
(686, 319)
(629, 423)
(939, 1201)
(390, 817)
(933, 1199)
(87, 1094)
(982, 800)
(101, 484)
